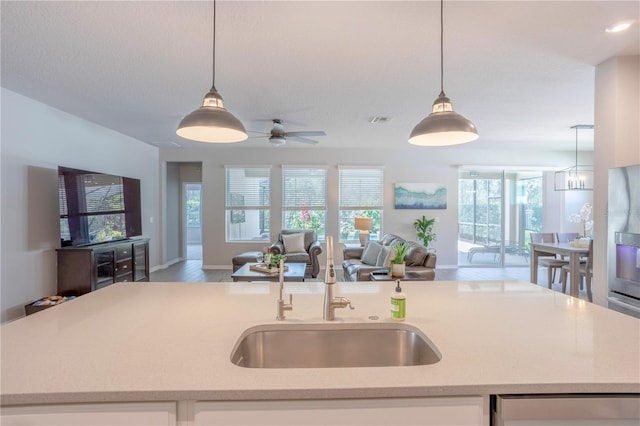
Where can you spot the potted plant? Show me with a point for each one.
(397, 261)
(424, 229)
(274, 260)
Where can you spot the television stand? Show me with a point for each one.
(84, 269)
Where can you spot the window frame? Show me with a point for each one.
(305, 171)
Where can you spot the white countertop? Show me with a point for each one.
(172, 341)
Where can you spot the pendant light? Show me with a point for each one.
(443, 126)
(212, 122)
(577, 177)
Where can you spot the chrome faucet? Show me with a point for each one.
(282, 307)
(332, 303)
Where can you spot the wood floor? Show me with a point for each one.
(191, 271)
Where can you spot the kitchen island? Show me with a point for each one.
(159, 342)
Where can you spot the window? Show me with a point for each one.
(248, 203)
(361, 195)
(497, 210)
(304, 199)
(193, 208)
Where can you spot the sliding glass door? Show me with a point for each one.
(497, 211)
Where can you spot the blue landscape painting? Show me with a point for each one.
(420, 196)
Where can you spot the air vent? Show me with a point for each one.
(379, 120)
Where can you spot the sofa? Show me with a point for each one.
(304, 249)
(359, 262)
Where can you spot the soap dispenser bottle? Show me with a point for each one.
(398, 303)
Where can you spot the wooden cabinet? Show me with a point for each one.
(89, 268)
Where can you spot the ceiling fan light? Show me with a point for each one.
(277, 140)
(212, 123)
(443, 127)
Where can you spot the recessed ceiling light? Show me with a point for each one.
(379, 119)
(616, 28)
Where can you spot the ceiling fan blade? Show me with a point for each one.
(301, 139)
(309, 133)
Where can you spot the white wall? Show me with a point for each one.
(35, 140)
(403, 163)
(616, 144)
(172, 215)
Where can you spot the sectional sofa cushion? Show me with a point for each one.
(384, 257)
(371, 253)
(357, 268)
(416, 255)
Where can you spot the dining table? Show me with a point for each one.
(563, 249)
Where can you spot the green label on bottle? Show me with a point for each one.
(398, 307)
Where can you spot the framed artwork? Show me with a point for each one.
(420, 196)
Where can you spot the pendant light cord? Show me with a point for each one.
(213, 84)
(576, 151)
(441, 48)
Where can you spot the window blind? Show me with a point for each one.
(304, 188)
(248, 187)
(361, 188)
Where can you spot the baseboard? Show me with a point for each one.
(166, 265)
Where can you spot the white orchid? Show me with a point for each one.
(583, 217)
(575, 218)
(585, 211)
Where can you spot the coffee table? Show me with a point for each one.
(295, 273)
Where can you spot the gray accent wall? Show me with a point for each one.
(36, 139)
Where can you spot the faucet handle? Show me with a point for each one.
(290, 299)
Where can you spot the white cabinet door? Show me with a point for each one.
(458, 411)
(576, 410)
(121, 414)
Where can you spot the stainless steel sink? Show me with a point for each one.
(333, 346)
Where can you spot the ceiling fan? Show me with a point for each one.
(278, 136)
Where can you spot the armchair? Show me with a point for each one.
(310, 244)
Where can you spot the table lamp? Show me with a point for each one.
(364, 225)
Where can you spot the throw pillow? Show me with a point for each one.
(415, 256)
(384, 257)
(370, 253)
(293, 243)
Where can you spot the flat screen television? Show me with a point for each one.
(97, 207)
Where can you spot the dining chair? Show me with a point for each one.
(566, 237)
(550, 260)
(586, 271)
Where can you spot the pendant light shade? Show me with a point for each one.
(443, 126)
(212, 122)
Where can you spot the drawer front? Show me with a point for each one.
(124, 252)
(126, 278)
(124, 267)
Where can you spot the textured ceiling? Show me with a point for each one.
(522, 71)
